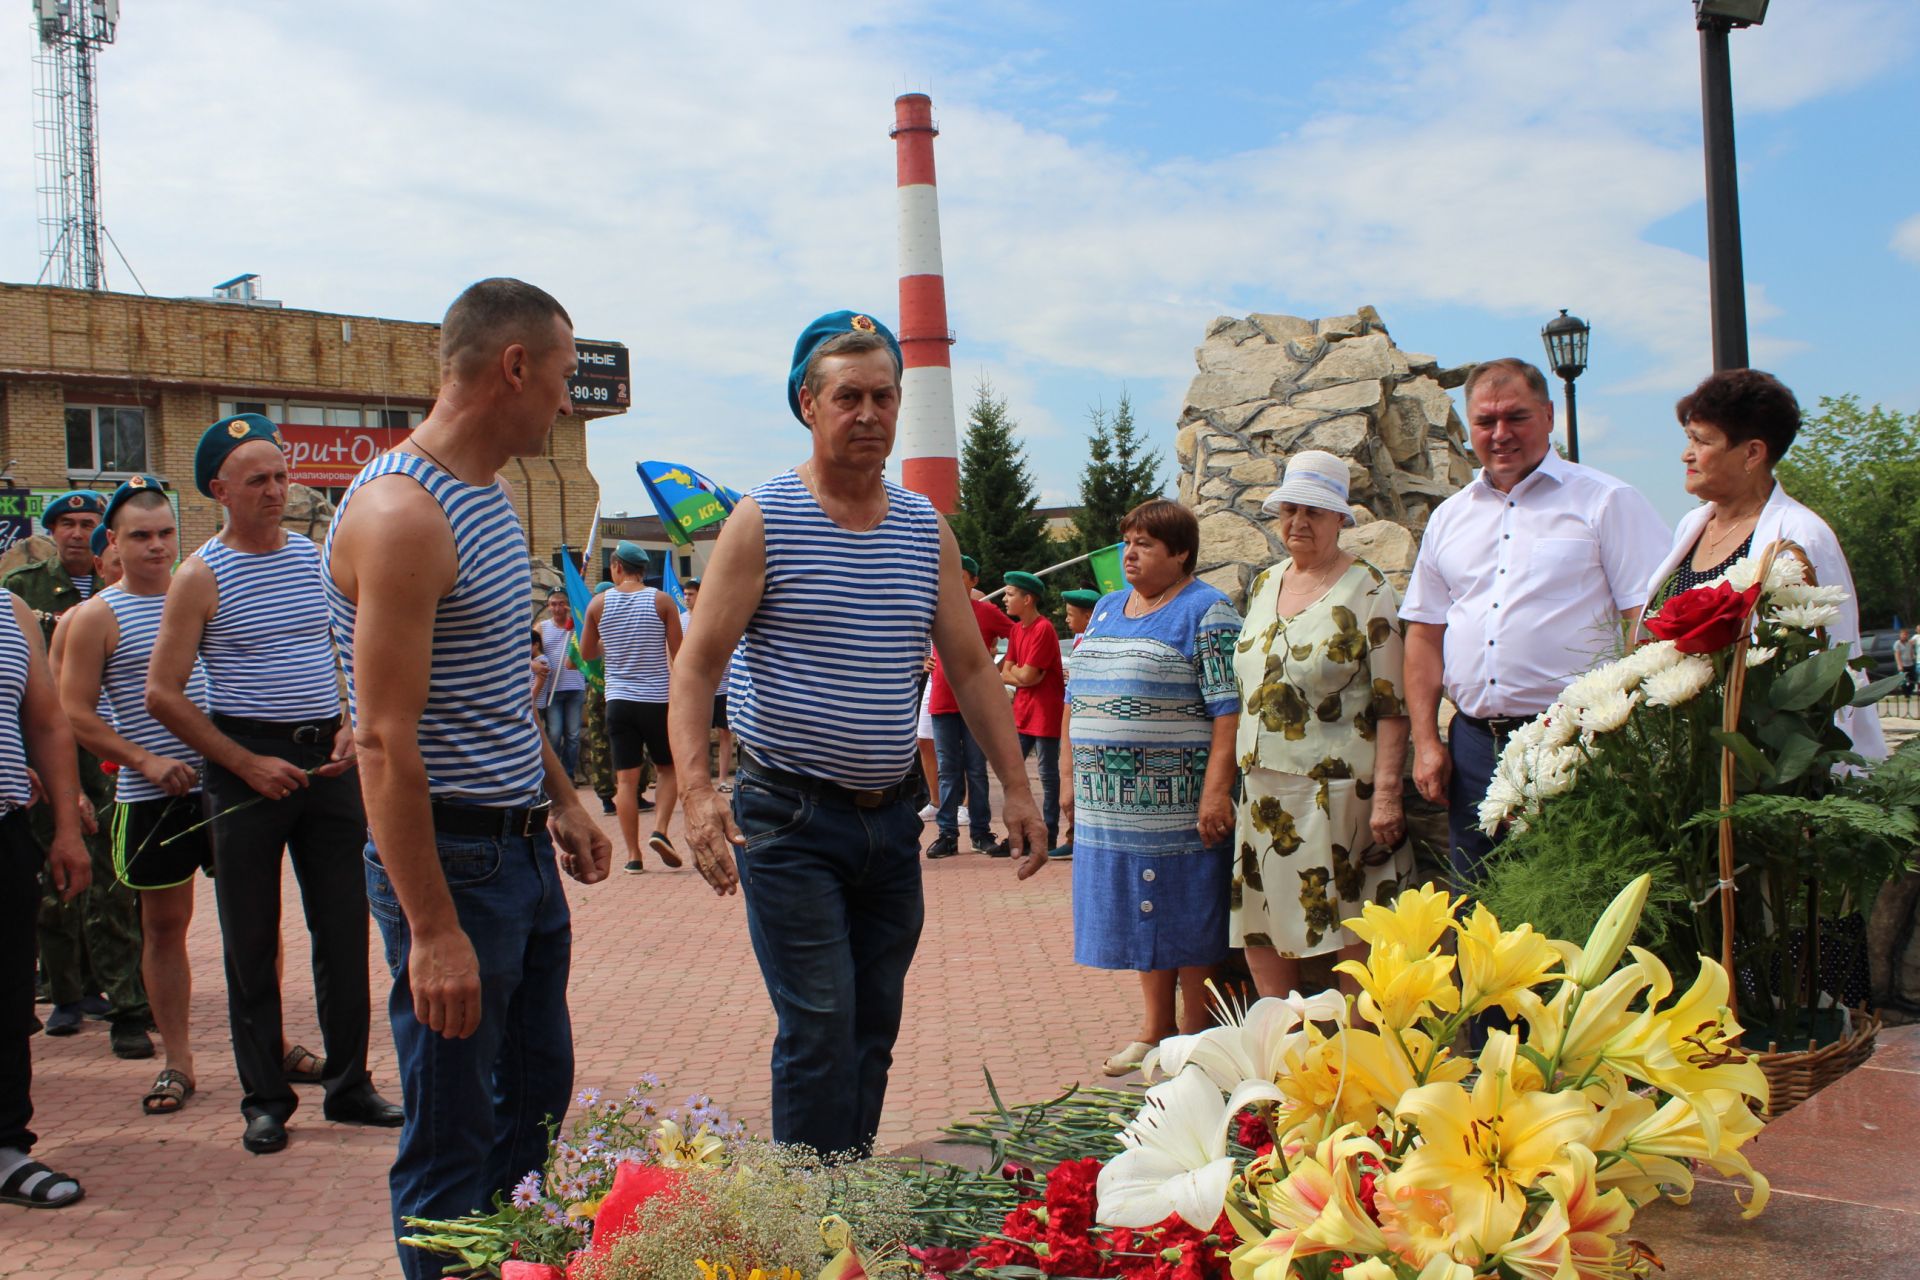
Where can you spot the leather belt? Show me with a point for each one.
(821, 789)
(451, 819)
(1497, 726)
(306, 732)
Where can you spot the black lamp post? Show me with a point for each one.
(1566, 339)
(1725, 272)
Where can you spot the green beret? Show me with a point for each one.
(1027, 582)
(222, 438)
(1081, 596)
(971, 565)
(632, 554)
(98, 543)
(831, 325)
(604, 586)
(78, 502)
(134, 484)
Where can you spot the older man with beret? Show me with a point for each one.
(822, 834)
(251, 605)
(89, 943)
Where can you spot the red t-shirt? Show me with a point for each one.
(994, 625)
(1038, 709)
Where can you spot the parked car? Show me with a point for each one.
(1878, 645)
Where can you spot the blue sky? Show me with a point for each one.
(700, 181)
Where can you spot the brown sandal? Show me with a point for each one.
(303, 1066)
(170, 1092)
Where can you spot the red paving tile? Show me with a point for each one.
(663, 980)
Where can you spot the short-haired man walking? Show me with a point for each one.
(466, 800)
(1038, 678)
(1521, 584)
(636, 629)
(159, 844)
(822, 835)
(250, 604)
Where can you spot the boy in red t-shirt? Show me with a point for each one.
(1034, 669)
(962, 765)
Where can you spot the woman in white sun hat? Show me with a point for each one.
(1323, 735)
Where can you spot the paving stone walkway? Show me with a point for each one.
(663, 981)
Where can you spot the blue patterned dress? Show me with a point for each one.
(1147, 894)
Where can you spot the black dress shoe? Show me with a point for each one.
(264, 1136)
(367, 1108)
(130, 1040)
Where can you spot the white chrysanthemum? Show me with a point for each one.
(1787, 571)
(1760, 657)
(1502, 799)
(1798, 595)
(1680, 683)
(1804, 617)
(1601, 682)
(1604, 715)
(1554, 771)
(1558, 723)
(1658, 656)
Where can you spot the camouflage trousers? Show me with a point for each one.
(92, 944)
(596, 756)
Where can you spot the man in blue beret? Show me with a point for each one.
(92, 943)
(250, 605)
(822, 835)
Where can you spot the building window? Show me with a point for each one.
(106, 440)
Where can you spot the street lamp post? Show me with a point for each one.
(1725, 272)
(1566, 339)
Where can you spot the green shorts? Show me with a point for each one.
(149, 849)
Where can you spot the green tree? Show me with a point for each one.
(1120, 475)
(998, 523)
(1860, 469)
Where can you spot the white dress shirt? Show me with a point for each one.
(1531, 584)
(1786, 517)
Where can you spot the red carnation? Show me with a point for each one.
(1705, 619)
(108, 766)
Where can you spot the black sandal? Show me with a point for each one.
(294, 1065)
(32, 1186)
(170, 1092)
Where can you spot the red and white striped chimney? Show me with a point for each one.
(930, 462)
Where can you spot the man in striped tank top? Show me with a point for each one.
(251, 606)
(823, 834)
(637, 630)
(467, 801)
(109, 641)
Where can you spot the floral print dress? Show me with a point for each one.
(1312, 688)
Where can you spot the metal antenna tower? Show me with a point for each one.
(67, 137)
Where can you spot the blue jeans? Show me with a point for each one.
(1049, 749)
(563, 726)
(1473, 753)
(834, 911)
(963, 777)
(477, 1108)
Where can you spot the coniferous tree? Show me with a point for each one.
(1120, 475)
(998, 523)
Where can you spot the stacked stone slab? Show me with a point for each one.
(1270, 386)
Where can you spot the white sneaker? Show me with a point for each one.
(963, 815)
(929, 813)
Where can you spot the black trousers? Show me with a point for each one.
(324, 828)
(20, 860)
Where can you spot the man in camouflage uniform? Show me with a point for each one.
(92, 942)
(596, 757)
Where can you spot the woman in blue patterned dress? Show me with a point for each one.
(1154, 710)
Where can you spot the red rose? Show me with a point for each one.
(108, 766)
(937, 1261)
(1705, 619)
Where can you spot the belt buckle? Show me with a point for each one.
(533, 818)
(869, 799)
(307, 734)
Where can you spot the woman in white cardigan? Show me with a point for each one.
(1738, 424)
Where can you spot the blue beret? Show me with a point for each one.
(1082, 597)
(77, 502)
(222, 438)
(1027, 582)
(99, 540)
(633, 555)
(605, 586)
(134, 484)
(971, 565)
(831, 325)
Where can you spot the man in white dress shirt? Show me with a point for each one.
(1521, 585)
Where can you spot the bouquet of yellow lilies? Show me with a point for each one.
(1393, 1159)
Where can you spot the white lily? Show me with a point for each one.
(1249, 1044)
(1176, 1157)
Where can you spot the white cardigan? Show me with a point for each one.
(1784, 517)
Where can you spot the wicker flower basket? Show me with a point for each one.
(1795, 1076)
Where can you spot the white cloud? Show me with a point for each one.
(1906, 240)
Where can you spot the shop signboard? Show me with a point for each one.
(329, 457)
(603, 380)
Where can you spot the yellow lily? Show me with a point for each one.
(680, 1150)
(1692, 1045)
(1542, 1253)
(1415, 922)
(1489, 1146)
(1649, 1146)
(1382, 1074)
(1594, 1218)
(1581, 1038)
(1315, 1209)
(1611, 933)
(1496, 965)
(1398, 985)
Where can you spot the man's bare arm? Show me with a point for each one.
(90, 634)
(590, 647)
(50, 753)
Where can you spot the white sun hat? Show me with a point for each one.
(1315, 478)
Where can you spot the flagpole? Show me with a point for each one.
(1041, 573)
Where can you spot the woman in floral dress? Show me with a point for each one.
(1154, 708)
(1323, 735)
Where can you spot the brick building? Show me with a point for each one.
(94, 386)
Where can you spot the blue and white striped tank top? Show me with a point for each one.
(635, 637)
(123, 683)
(822, 689)
(478, 738)
(267, 650)
(14, 657)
